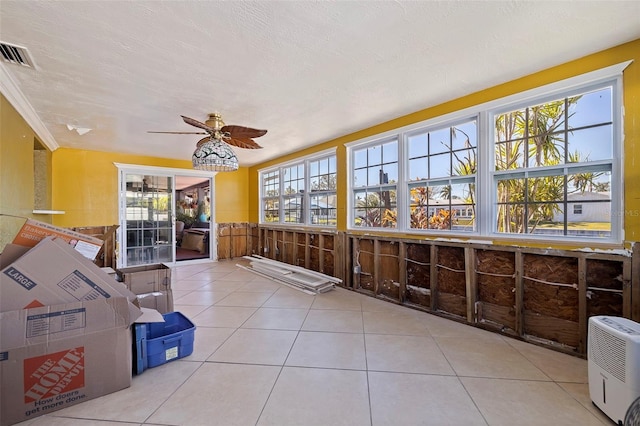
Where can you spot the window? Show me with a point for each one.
(302, 192)
(441, 178)
(538, 164)
(548, 156)
(271, 196)
(322, 187)
(375, 175)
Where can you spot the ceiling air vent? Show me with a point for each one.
(15, 54)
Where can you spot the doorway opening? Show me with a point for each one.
(166, 216)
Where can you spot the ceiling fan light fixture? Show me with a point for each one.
(214, 155)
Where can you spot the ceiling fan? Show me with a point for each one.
(239, 136)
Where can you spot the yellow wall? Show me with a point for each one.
(16, 172)
(85, 186)
(615, 55)
(232, 202)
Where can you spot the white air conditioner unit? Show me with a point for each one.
(613, 353)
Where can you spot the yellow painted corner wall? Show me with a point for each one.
(232, 201)
(16, 172)
(85, 186)
(612, 56)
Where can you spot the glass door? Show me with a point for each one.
(148, 219)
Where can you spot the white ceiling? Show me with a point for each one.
(306, 71)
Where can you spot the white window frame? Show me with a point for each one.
(304, 161)
(486, 204)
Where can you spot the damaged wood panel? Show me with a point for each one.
(451, 276)
(254, 236)
(224, 241)
(495, 272)
(314, 252)
(550, 299)
(497, 317)
(603, 275)
(301, 249)
(553, 329)
(238, 240)
(547, 286)
(452, 304)
(288, 247)
(418, 263)
(388, 276)
(366, 260)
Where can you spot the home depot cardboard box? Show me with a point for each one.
(33, 231)
(53, 272)
(56, 356)
(152, 285)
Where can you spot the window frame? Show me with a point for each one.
(485, 176)
(306, 194)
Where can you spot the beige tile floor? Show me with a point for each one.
(266, 354)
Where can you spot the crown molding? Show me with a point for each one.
(14, 95)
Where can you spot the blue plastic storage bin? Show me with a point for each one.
(157, 343)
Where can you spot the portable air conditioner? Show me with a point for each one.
(613, 353)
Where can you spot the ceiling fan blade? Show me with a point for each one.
(196, 123)
(181, 133)
(243, 132)
(245, 143)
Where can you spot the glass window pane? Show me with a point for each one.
(332, 164)
(418, 145)
(542, 218)
(510, 126)
(440, 141)
(509, 155)
(546, 118)
(313, 168)
(360, 158)
(390, 152)
(589, 185)
(374, 176)
(591, 144)
(593, 219)
(464, 162)
(374, 155)
(464, 135)
(418, 169)
(548, 188)
(439, 166)
(546, 150)
(510, 218)
(591, 108)
(390, 172)
(360, 177)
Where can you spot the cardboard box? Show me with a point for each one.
(33, 231)
(57, 356)
(152, 285)
(161, 301)
(51, 273)
(146, 279)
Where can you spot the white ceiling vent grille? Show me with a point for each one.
(16, 55)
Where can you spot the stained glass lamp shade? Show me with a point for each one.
(214, 155)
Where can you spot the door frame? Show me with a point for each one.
(172, 172)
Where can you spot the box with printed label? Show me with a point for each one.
(56, 356)
(51, 273)
(33, 231)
